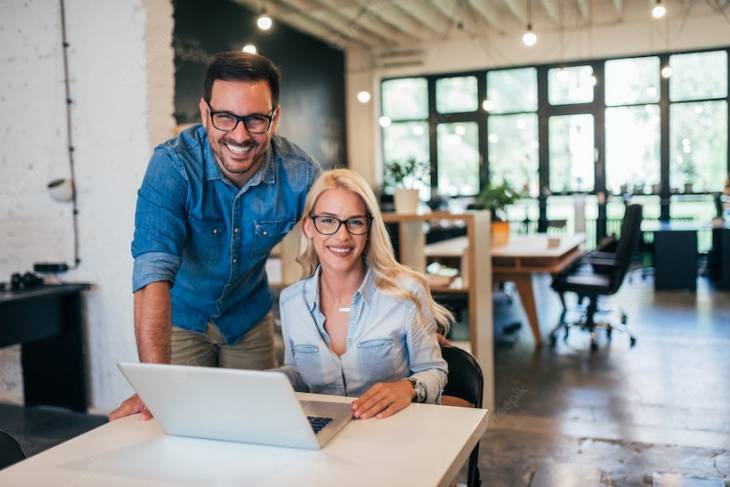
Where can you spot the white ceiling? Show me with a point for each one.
(387, 24)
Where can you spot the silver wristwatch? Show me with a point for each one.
(419, 389)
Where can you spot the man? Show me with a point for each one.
(213, 203)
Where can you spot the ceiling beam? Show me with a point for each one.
(486, 11)
(362, 15)
(428, 14)
(336, 21)
(404, 9)
(295, 13)
(391, 15)
(583, 8)
(551, 10)
(516, 11)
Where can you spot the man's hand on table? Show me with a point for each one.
(133, 405)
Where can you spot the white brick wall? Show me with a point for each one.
(122, 81)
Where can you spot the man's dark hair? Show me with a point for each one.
(242, 66)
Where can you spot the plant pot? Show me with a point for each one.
(406, 201)
(500, 233)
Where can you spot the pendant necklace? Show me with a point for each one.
(338, 306)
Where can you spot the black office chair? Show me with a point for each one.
(10, 450)
(466, 382)
(599, 274)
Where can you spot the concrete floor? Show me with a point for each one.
(661, 407)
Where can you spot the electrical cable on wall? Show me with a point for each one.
(62, 189)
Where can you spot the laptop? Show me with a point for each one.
(246, 406)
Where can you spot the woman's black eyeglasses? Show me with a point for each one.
(329, 225)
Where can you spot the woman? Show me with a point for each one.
(360, 324)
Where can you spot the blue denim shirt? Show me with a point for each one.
(385, 342)
(208, 238)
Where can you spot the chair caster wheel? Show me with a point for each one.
(632, 341)
(553, 341)
(609, 334)
(594, 346)
(624, 318)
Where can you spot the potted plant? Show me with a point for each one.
(404, 176)
(495, 198)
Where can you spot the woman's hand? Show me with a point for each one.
(133, 405)
(383, 399)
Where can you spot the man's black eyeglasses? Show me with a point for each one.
(227, 122)
(329, 225)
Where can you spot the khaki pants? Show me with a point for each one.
(255, 350)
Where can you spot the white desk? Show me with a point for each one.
(422, 445)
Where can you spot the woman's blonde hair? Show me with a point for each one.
(378, 252)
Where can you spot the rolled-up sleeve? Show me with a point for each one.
(160, 228)
(426, 363)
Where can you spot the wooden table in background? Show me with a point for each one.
(517, 261)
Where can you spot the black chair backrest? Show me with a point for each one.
(465, 376)
(10, 451)
(627, 244)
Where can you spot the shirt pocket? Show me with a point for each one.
(308, 360)
(377, 358)
(268, 233)
(206, 242)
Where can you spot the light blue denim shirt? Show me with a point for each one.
(385, 342)
(210, 239)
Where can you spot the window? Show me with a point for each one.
(570, 85)
(698, 146)
(458, 158)
(632, 81)
(552, 130)
(405, 101)
(513, 152)
(457, 94)
(698, 76)
(572, 153)
(632, 149)
(512, 129)
(512, 90)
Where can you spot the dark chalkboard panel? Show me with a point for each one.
(313, 73)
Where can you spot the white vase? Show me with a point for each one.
(406, 201)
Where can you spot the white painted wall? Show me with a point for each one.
(622, 39)
(122, 82)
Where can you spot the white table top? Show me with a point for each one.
(422, 445)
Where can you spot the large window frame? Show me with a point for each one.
(597, 108)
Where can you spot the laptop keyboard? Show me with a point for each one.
(318, 422)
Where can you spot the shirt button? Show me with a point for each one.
(264, 233)
(235, 230)
(215, 231)
(235, 260)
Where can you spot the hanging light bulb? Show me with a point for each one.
(529, 38)
(264, 22)
(250, 48)
(363, 96)
(658, 11)
(666, 71)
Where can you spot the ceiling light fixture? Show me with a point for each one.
(666, 71)
(363, 96)
(529, 38)
(384, 121)
(264, 22)
(250, 48)
(658, 11)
